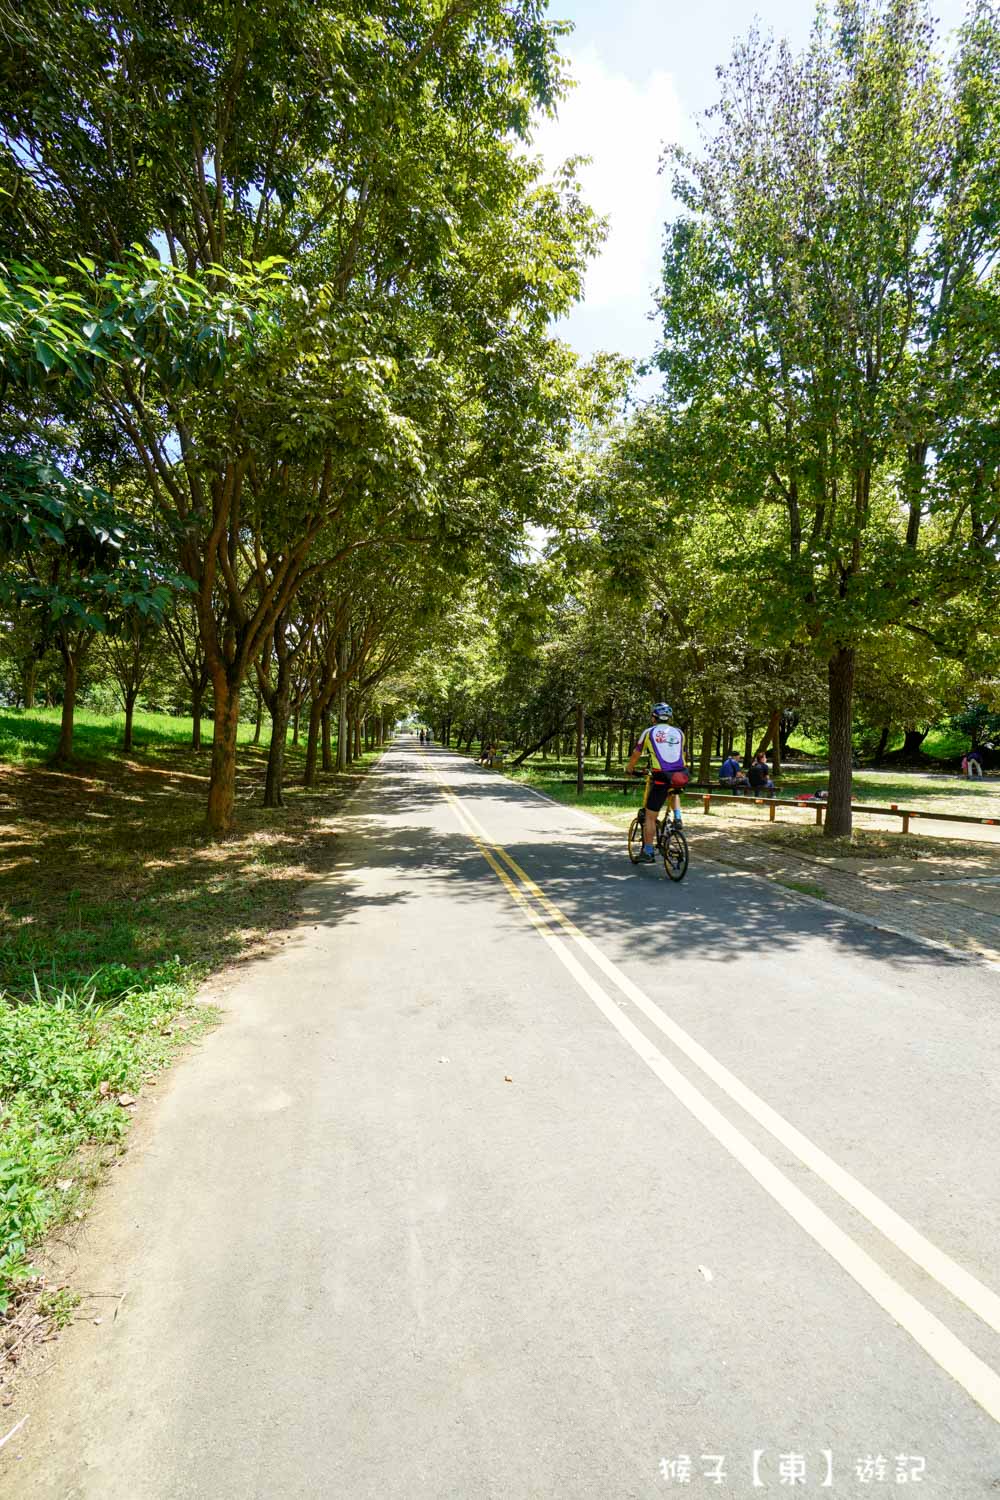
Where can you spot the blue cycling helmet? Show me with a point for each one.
(662, 712)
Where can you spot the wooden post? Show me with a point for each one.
(707, 800)
(772, 809)
(579, 749)
(906, 822)
(819, 817)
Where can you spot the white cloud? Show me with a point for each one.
(622, 125)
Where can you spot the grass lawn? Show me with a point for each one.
(30, 736)
(940, 744)
(114, 906)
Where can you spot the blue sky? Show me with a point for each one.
(645, 69)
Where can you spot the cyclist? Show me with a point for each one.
(664, 743)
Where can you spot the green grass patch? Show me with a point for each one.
(115, 906)
(30, 736)
(804, 887)
(68, 1060)
(941, 743)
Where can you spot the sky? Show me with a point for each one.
(645, 70)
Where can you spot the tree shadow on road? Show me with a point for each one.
(719, 913)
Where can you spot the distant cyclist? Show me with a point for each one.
(664, 744)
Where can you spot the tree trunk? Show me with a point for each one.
(841, 678)
(327, 745)
(222, 786)
(532, 748)
(748, 742)
(65, 750)
(357, 738)
(197, 696)
(883, 740)
(295, 726)
(30, 681)
(129, 711)
(260, 717)
(705, 764)
(342, 706)
(789, 724)
(274, 778)
(312, 742)
(609, 735)
(771, 733)
(579, 749)
(913, 739)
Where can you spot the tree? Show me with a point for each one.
(808, 298)
(77, 566)
(384, 183)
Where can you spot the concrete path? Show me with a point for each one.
(520, 1172)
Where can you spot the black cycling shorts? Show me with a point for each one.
(658, 789)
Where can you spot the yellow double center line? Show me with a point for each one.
(555, 928)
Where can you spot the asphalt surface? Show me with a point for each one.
(472, 1196)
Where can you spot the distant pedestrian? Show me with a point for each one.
(972, 763)
(421, 736)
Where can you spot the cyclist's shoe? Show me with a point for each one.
(678, 821)
(647, 857)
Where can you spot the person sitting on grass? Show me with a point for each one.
(760, 776)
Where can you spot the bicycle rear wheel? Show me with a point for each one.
(674, 848)
(635, 839)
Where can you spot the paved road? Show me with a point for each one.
(519, 1173)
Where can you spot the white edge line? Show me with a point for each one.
(905, 1238)
(976, 1377)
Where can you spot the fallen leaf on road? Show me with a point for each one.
(126, 1101)
(507, 1078)
(705, 1272)
(444, 1059)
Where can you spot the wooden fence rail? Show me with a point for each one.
(712, 794)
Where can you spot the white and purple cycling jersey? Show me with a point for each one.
(666, 746)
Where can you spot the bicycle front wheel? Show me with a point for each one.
(635, 840)
(674, 848)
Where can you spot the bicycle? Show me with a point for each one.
(670, 842)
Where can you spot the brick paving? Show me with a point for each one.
(952, 899)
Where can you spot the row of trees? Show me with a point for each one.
(807, 517)
(275, 341)
(516, 671)
(274, 335)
